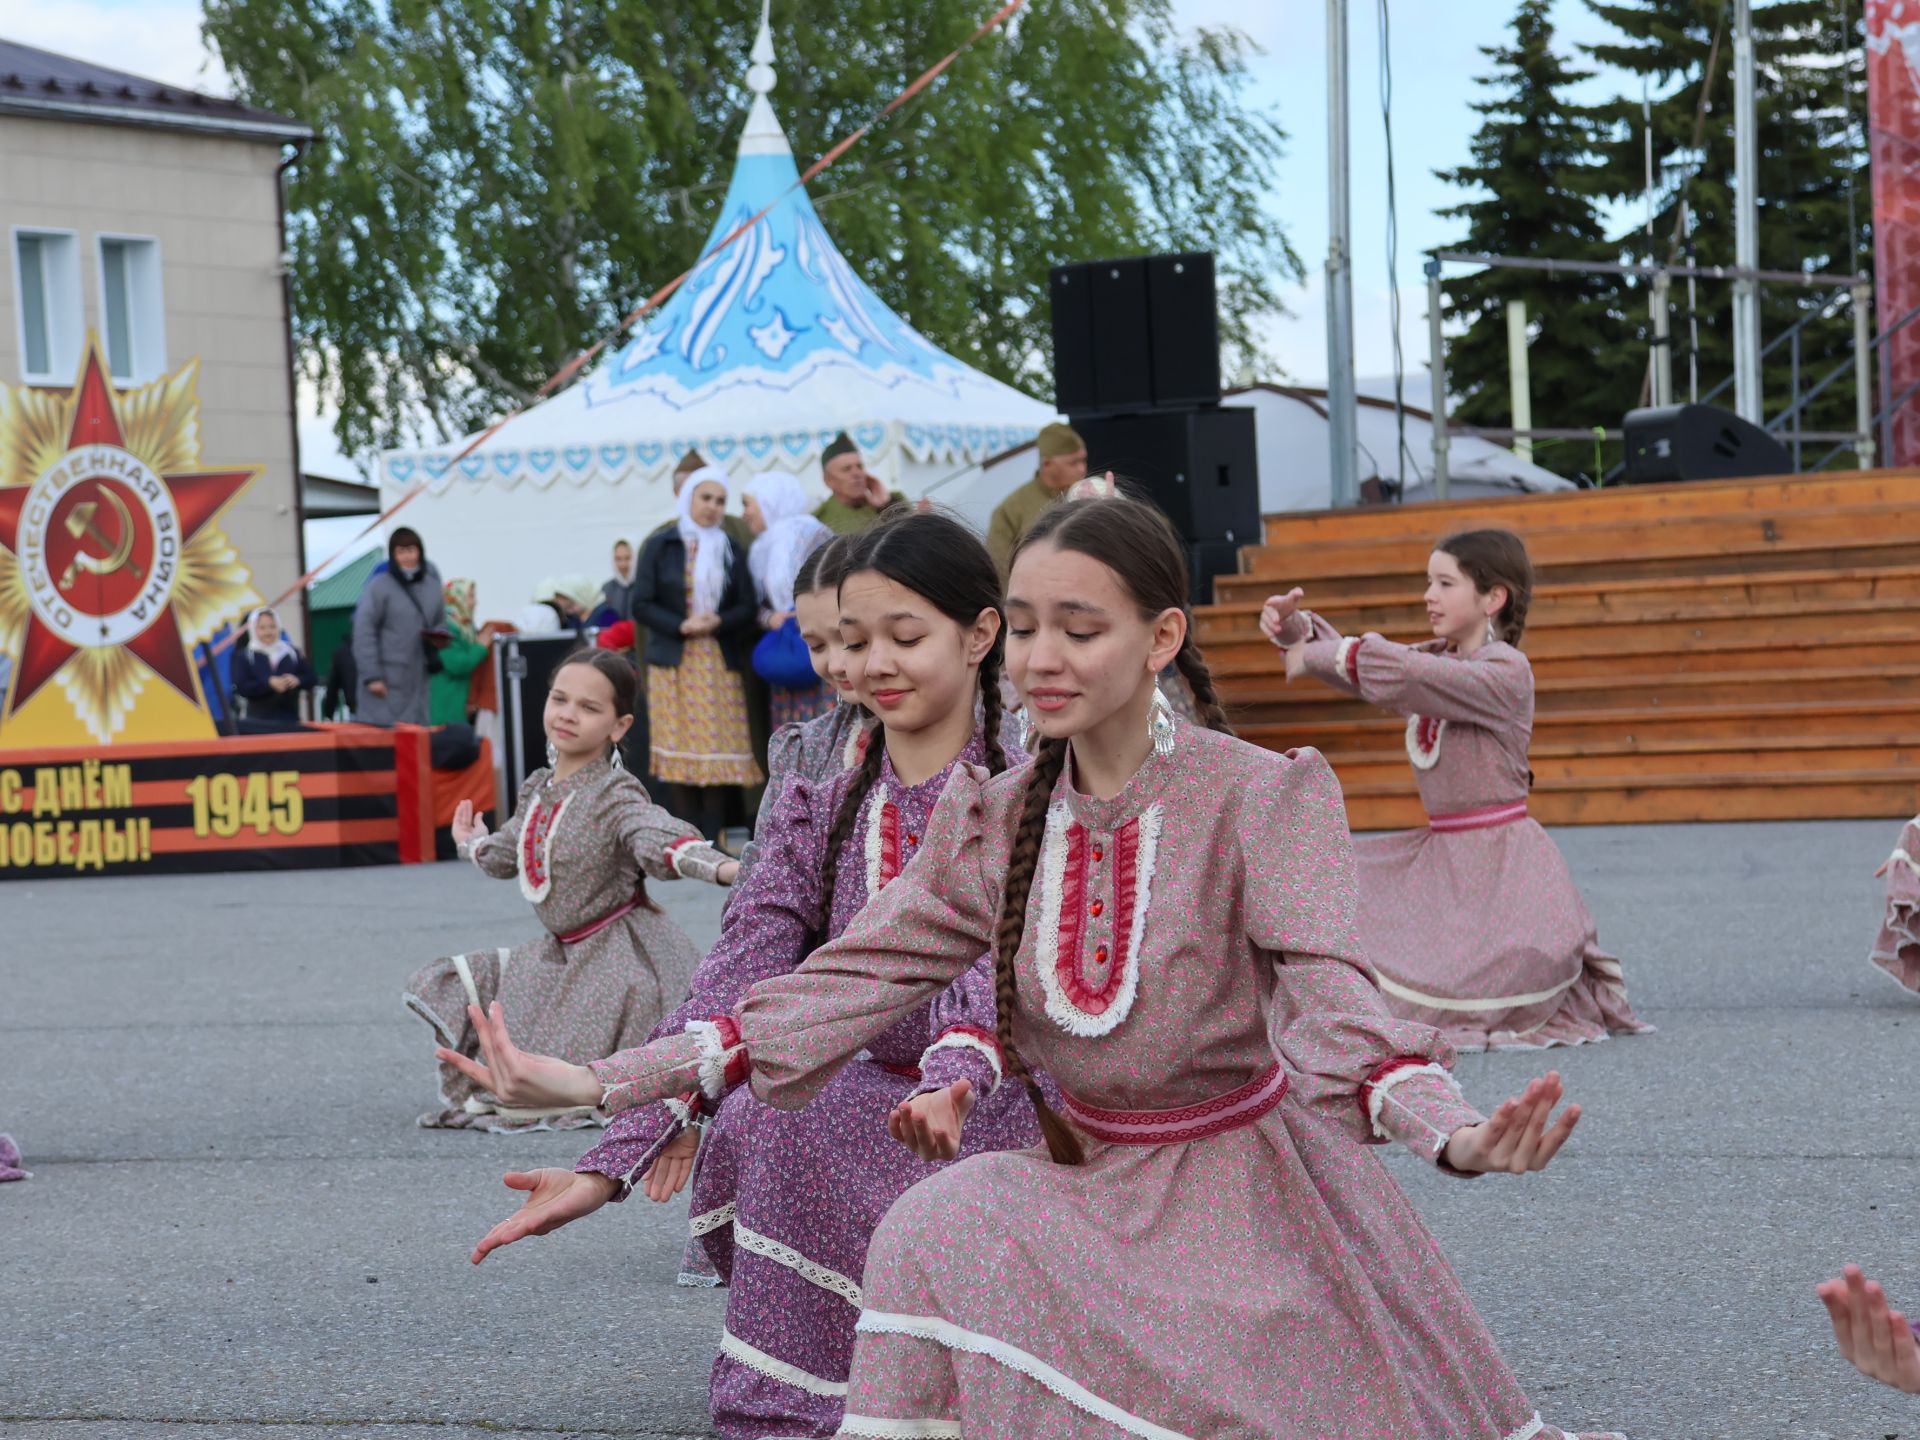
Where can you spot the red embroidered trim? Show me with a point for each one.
(1073, 924)
(1126, 871)
(889, 841)
(1426, 733)
(677, 846)
(1381, 1072)
(1240, 1106)
(738, 1065)
(533, 836)
(912, 1072)
(1353, 662)
(693, 1100)
(985, 1037)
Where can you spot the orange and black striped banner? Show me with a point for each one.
(329, 796)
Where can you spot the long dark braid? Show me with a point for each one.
(864, 780)
(1062, 1144)
(990, 707)
(1193, 669)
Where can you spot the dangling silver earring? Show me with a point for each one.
(1160, 722)
(1022, 728)
(618, 763)
(553, 756)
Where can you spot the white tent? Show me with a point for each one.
(770, 348)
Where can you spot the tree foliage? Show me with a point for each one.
(1534, 169)
(496, 182)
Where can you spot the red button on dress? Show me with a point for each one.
(1095, 908)
(1100, 953)
(1098, 853)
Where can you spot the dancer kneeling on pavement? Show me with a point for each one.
(1205, 1249)
(581, 844)
(786, 1200)
(1473, 924)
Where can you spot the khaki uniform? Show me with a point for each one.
(844, 519)
(1013, 517)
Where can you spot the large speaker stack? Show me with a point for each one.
(1136, 366)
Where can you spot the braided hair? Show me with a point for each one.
(1135, 541)
(941, 560)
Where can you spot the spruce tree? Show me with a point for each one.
(1532, 161)
(1813, 195)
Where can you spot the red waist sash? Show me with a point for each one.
(574, 937)
(1190, 1122)
(1482, 819)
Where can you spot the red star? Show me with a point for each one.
(197, 496)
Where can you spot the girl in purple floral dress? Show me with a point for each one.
(784, 1201)
(1472, 924)
(1206, 1248)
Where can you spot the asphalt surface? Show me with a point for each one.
(233, 1222)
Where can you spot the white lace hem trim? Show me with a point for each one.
(960, 1040)
(1488, 1002)
(881, 1427)
(776, 1369)
(943, 1332)
(771, 1249)
(710, 1220)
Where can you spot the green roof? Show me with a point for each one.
(341, 590)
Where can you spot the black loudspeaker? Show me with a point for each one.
(1122, 338)
(1072, 293)
(1199, 466)
(1184, 320)
(1699, 442)
(1136, 334)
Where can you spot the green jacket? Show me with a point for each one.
(844, 519)
(1012, 518)
(447, 690)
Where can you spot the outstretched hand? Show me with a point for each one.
(465, 827)
(672, 1167)
(930, 1124)
(1875, 1338)
(516, 1077)
(1277, 611)
(1516, 1137)
(554, 1198)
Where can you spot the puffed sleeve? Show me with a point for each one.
(1379, 1077)
(965, 1044)
(498, 854)
(910, 942)
(783, 759)
(664, 846)
(1489, 688)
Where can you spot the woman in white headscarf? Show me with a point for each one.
(270, 673)
(693, 593)
(780, 513)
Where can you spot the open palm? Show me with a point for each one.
(554, 1198)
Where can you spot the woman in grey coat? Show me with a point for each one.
(400, 619)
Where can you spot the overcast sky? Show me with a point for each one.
(1434, 47)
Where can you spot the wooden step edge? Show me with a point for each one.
(1781, 710)
(1225, 666)
(1603, 750)
(1682, 779)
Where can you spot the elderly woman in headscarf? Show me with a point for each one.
(693, 594)
(779, 513)
(270, 673)
(449, 686)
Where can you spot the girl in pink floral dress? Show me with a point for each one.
(1473, 924)
(1896, 949)
(1206, 1247)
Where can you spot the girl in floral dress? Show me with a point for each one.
(581, 844)
(784, 1201)
(1472, 924)
(1896, 949)
(1205, 1248)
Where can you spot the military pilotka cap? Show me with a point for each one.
(1056, 440)
(842, 444)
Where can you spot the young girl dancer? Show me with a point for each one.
(581, 842)
(786, 1201)
(824, 746)
(1209, 1251)
(1472, 924)
(1896, 949)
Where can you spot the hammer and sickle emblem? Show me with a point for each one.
(81, 527)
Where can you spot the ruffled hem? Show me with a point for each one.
(1896, 949)
(1594, 1008)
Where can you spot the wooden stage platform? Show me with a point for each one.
(1713, 650)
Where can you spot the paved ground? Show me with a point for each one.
(233, 1222)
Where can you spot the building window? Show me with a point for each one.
(132, 313)
(46, 282)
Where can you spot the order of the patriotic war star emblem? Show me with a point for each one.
(111, 565)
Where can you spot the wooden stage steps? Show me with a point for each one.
(1721, 650)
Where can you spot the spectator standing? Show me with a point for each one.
(616, 596)
(784, 533)
(858, 497)
(270, 673)
(693, 593)
(1063, 463)
(464, 653)
(398, 629)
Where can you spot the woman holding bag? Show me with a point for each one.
(693, 593)
(779, 513)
